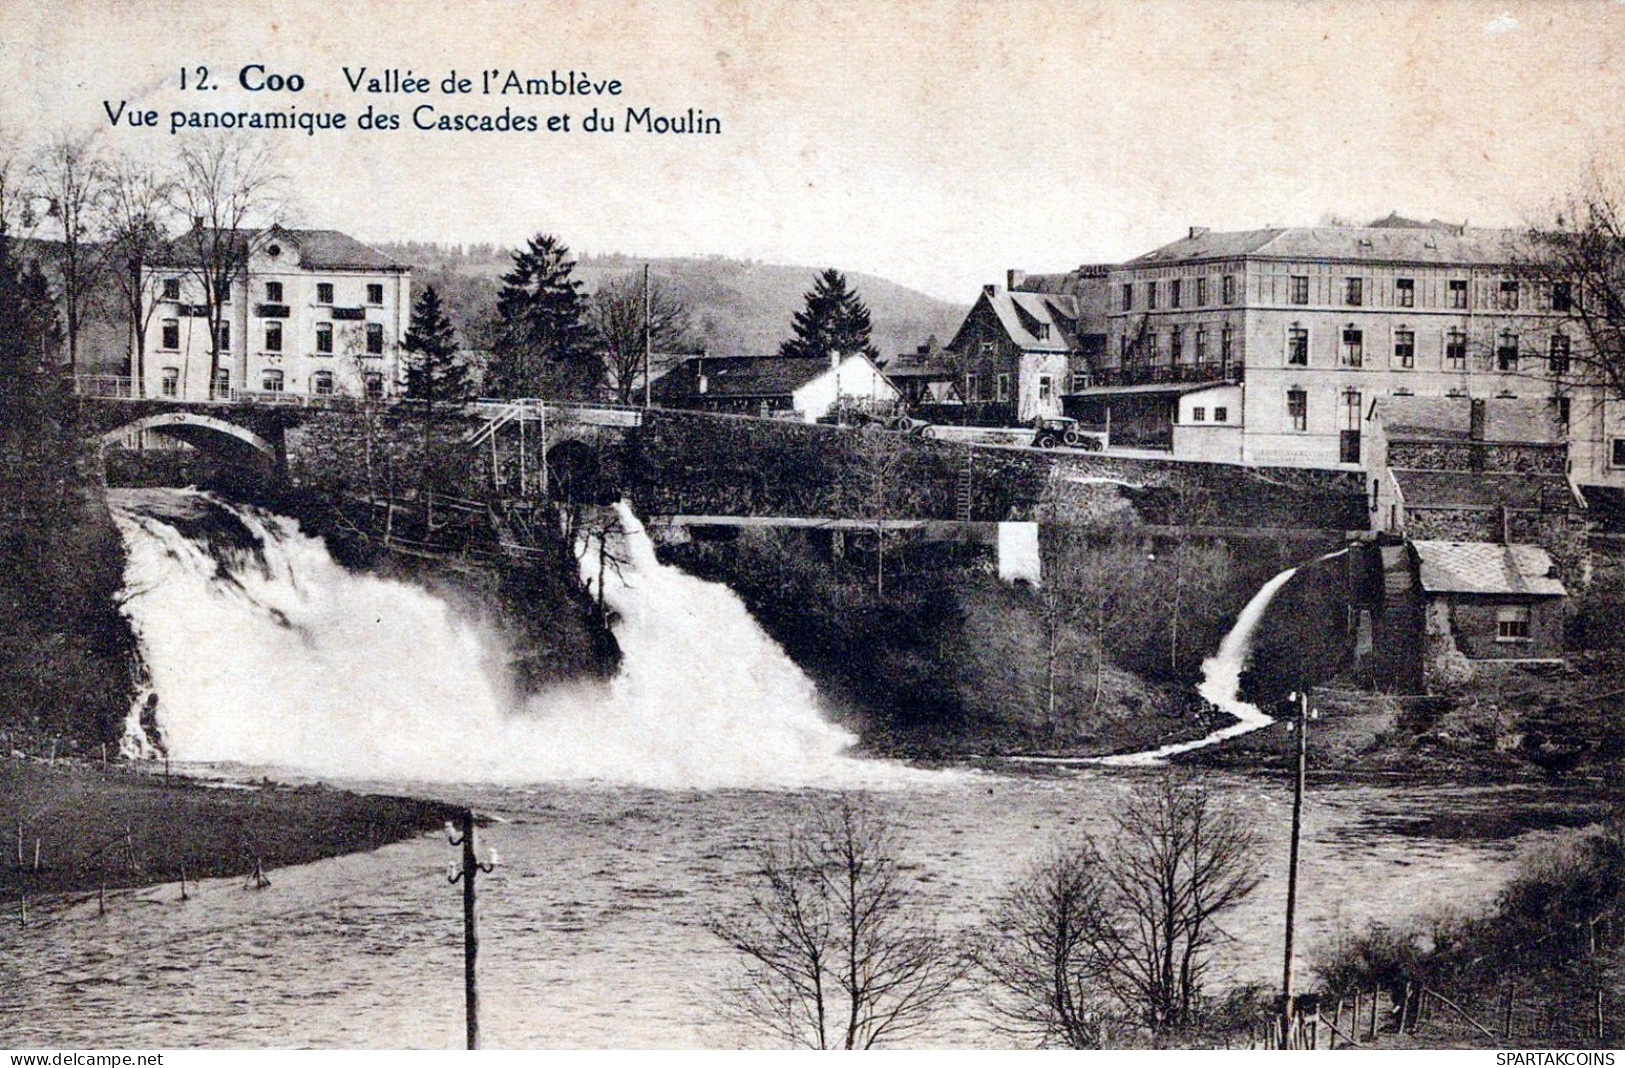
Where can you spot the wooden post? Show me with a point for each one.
(36, 854)
(1506, 1017)
(1373, 1033)
(1597, 1018)
(101, 899)
(471, 937)
(648, 340)
(471, 934)
(1292, 861)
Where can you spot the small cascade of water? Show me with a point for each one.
(1221, 679)
(263, 651)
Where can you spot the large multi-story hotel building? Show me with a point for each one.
(1267, 347)
(309, 312)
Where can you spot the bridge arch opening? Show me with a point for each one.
(576, 474)
(210, 449)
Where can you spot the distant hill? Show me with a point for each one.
(739, 307)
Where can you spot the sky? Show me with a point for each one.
(933, 142)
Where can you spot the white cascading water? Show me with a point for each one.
(276, 655)
(1221, 679)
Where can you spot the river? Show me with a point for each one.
(625, 818)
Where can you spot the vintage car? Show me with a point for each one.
(1052, 430)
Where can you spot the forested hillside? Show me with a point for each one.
(739, 307)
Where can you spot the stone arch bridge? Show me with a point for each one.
(519, 446)
(685, 463)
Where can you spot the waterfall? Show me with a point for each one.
(1221, 678)
(264, 651)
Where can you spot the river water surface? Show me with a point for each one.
(593, 922)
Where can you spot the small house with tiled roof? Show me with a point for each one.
(804, 389)
(307, 314)
(1433, 613)
(1488, 602)
(1015, 353)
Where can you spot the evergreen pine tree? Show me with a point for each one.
(432, 370)
(834, 322)
(545, 346)
(37, 448)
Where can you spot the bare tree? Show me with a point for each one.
(617, 314)
(1125, 931)
(136, 211)
(1048, 952)
(837, 952)
(881, 481)
(1176, 861)
(72, 178)
(223, 184)
(1577, 265)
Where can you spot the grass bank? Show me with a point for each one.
(120, 827)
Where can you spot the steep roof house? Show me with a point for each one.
(1015, 352)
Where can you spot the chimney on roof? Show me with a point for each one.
(1200, 231)
(990, 290)
(1014, 278)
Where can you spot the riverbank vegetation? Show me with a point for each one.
(81, 827)
(66, 655)
(1546, 960)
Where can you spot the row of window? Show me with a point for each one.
(1221, 414)
(1177, 293)
(976, 387)
(171, 338)
(1560, 295)
(271, 381)
(273, 292)
(1201, 345)
(1351, 350)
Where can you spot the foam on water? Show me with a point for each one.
(273, 654)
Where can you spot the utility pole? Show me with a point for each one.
(648, 338)
(471, 936)
(1292, 868)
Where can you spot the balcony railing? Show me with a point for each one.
(120, 387)
(1166, 374)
